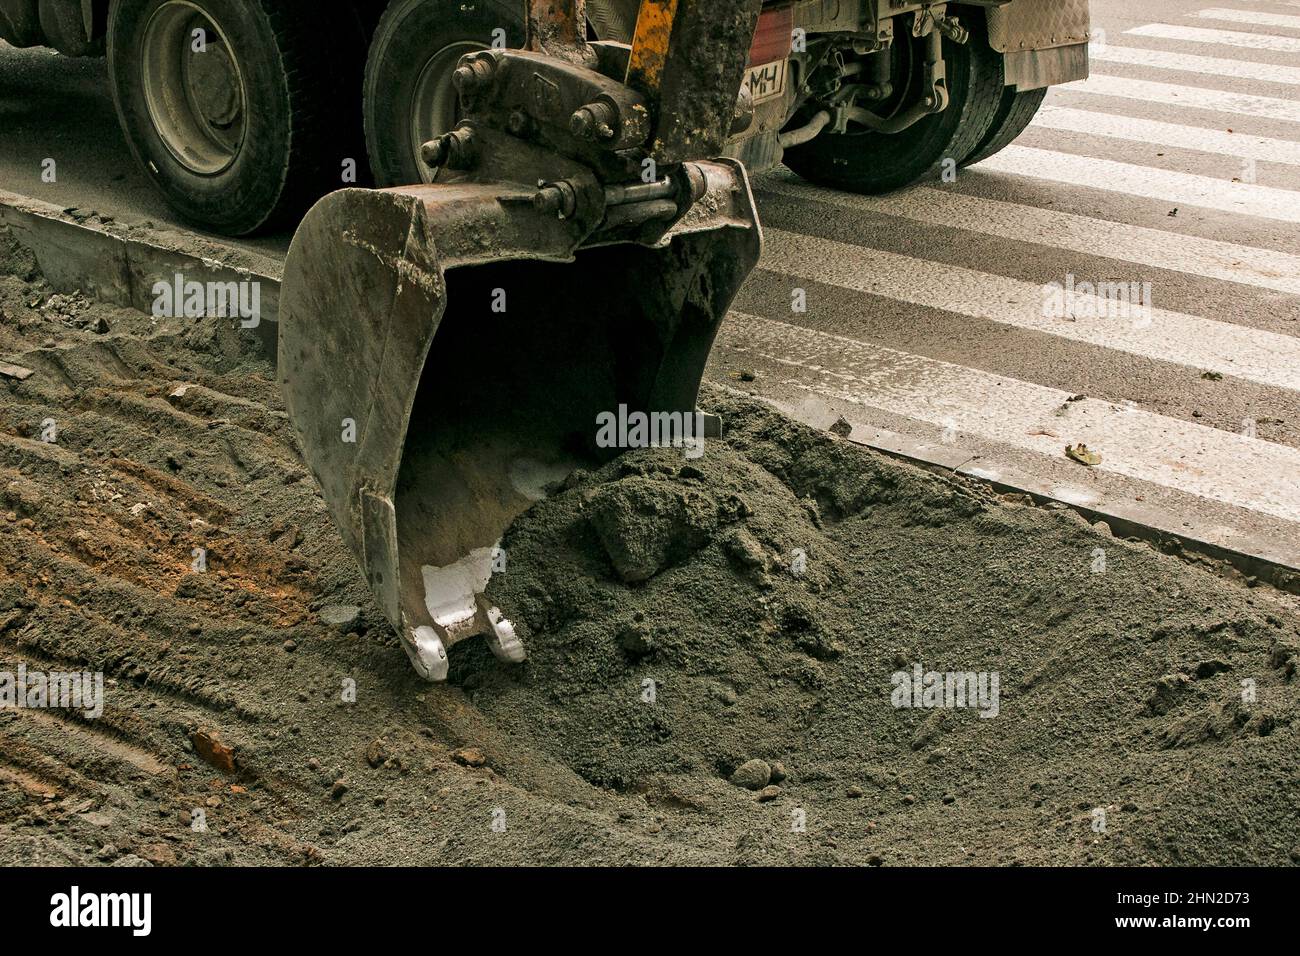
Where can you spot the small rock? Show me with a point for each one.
(854, 792)
(635, 639)
(377, 752)
(469, 757)
(841, 427)
(725, 696)
(949, 798)
(342, 617)
(875, 859)
(752, 775)
(768, 793)
(159, 854)
(290, 646)
(778, 771)
(209, 746)
(908, 800)
(743, 548)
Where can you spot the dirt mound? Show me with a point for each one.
(799, 582)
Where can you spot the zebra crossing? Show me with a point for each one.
(1172, 169)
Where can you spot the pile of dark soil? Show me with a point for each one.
(1147, 708)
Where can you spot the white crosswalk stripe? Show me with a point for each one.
(1199, 343)
(1180, 188)
(1017, 409)
(1210, 258)
(1113, 126)
(1185, 456)
(1193, 63)
(1195, 97)
(1248, 41)
(1257, 17)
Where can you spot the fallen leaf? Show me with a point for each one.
(1082, 454)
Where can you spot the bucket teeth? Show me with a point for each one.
(427, 652)
(501, 637)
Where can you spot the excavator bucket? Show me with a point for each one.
(449, 351)
(445, 353)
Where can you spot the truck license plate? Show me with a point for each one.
(766, 82)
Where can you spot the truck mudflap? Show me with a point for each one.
(1044, 42)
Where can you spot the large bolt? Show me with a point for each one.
(556, 199)
(474, 71)
(594, 121)
(435, 152)
(455, 150)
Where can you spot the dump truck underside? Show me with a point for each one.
(244, 114)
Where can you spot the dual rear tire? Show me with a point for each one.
(982, 117)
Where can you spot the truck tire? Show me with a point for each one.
(873, 162)
(243, 125)
(409, 97)
(1014, 114)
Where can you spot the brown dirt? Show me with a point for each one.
(1120, 690)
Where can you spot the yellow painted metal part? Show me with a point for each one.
(654, 33)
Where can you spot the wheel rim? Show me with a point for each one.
(435, 108)
(196, 97)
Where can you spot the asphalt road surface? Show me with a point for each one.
(1176, 166)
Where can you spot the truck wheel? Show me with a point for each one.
(1014, 114)
(409, 97)
(871, 162)
(243, 112)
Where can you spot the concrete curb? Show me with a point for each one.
(1271, 561)
(1277, 563)
(119, 264)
